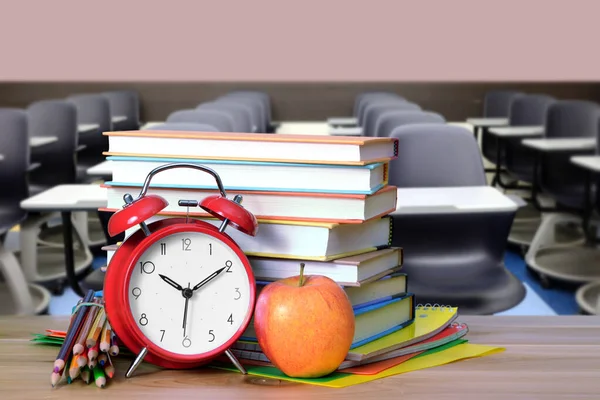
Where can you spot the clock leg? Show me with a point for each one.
(235, 362)
(136, 362)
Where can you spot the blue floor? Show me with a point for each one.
(561, 300)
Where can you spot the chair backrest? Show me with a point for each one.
(262, 96)
(368, 100)
(58, 160)
(526, 110)
(183, 126)
(14, 147)
(374, 110)
(436, 155)
(125, 103)
(362, 97)
(93, 109)
(254, 104)
(558, 177)
(241, 115)
(529, 109)
(496, 103)
(390, 120)
(219, 119)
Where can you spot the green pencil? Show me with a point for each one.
(99, 376)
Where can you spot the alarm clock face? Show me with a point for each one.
(189, 293)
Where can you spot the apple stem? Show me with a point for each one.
(301, 274)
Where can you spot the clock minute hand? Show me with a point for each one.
(171, 282)
(208, 279)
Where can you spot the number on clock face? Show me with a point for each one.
(216, 308)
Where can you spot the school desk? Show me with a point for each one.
(550, 357)
(67, 199)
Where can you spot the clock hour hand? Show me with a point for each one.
(208, 279)
(171, 282)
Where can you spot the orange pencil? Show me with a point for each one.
(105, 337)
(79, 346)
(96, 329)
(74, 368)
(109, 368)
(82, 359)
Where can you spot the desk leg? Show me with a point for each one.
(69, 255)
(496, 179)
(587, 206)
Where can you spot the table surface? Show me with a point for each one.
(68, 198)
(150, 124)
(558, 144)
(546, 357)
(487, 122)
(342, 121)
(101, 169)
(303, 128)
(87, 128)
(346, 131)
(588, 162)
(452, 200)
(39, 141)
(517, 131)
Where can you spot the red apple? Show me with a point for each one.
(304, 325)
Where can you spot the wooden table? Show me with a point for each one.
(545, 358)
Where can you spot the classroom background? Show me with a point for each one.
(120, 83)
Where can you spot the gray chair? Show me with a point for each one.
(376, 109)
(369, 101)
(525, 110)
(42, 255)
(496, 104)
(558, 178)
(454, 259)
(254, 105)
(16, 295)
(264, 98)
(183, 126)
(361, 99)
(124, 103)
(92, 109)
(219, 119)
(390, 120)
(241, 116)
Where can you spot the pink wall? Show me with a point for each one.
(302, 40)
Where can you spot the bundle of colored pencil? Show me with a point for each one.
(87, 345)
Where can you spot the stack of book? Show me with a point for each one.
(320, 200)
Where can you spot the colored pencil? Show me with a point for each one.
(74, 368)
(109, 368)
(82, 360)
(99, 376)
(102, 359)
(105, 337)
(86, 374)
(114, 347)
(79, 345)
(67, 346)
(93, 354)
(96, 329)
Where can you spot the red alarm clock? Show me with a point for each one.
(179, 292)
